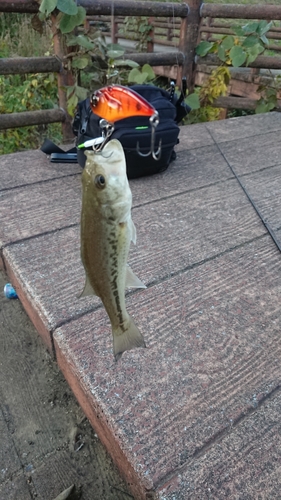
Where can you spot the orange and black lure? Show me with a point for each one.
(116, 102)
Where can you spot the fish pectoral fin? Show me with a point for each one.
(132, 281)
(124, 341)
(88, 289)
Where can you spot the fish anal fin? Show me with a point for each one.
(88, 289)
(125, 341)
(133, 232)
(132, 281)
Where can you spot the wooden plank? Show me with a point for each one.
(234, 11)
(27, 118)
(22, 65)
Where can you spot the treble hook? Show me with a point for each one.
(154, 120)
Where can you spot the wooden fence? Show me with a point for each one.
(180, 26)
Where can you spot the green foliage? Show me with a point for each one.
(143, 75)
(202, 99)
(35, 92)
(142, 27)
(269, 95)
(242, 49)
(249, 42)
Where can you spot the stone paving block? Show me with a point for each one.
(213, 354)
(172, 234)
(191, 170)
(194, 136)
(246, 126)
(15, 489)
(253, 154)
(39, 208)
(28, 167)
(9, 460)
(264, 188)
(47, 206)
(246, 463)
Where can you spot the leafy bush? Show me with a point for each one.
(19, 94)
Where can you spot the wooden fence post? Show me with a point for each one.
(150, 44)
(189, 35)
(65, 78)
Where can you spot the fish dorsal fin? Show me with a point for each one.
(88, 289)
(132, 281)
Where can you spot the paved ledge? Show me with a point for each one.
(195, 414)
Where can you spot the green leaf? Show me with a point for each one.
(47, 6)
(85, 42)
(253, 52)
(126, 62)
(250, 41)
(250, 27)
(68, 23)
(227, 42)
(115, 54)
(193, 101)
(264, 107)
(68, 7)
(134, 73)
(71, 104)
(203, 48)
(69, 90)
(80, 62)
(263, 27)
(115, 46)
(81, 92)
(221, 53)
(238, 56)
(264, 40)
(148, 69)
(238, 30)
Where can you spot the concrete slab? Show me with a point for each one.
(28, 167)
(39, 208)
(246, 126)
(242, 464)
(210, 314)
(213, 337)
(264, 188)
(192, 169)
(48, 274)
(194, 136)
(252, 155)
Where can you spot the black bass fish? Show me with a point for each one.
(106, 232)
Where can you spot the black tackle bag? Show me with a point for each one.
(137, 130)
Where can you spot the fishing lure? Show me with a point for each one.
(116, 102)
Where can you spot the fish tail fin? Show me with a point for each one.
(124, 341)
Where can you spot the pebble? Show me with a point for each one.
(10, 292)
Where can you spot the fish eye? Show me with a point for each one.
(100, 181)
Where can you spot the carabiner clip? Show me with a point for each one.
(154, 120)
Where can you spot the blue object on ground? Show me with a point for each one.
(10, 292)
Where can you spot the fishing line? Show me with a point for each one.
(264, 221)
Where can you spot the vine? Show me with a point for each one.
(242, 48)
(82, 47)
